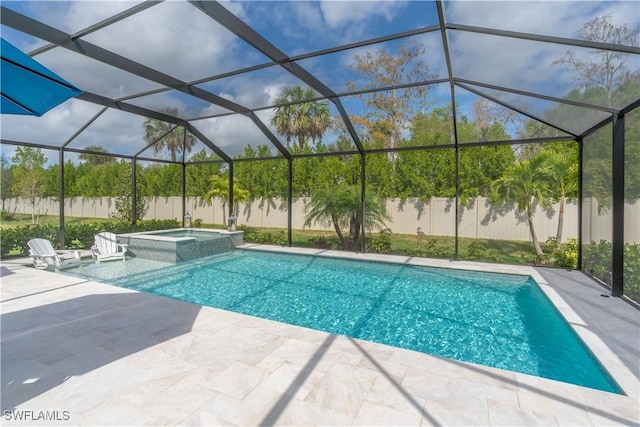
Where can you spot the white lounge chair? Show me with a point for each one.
(107, 248)
(44, 255)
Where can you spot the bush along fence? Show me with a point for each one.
(13, 241)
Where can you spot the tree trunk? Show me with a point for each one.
(33, 210)
(224, 213)
(560, 220)
(337, 228)
(534, 238)
(354, 229)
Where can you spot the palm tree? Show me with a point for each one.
(563, 172)
(340, 207)
(299, 118)
(526, 183)
(220, 189)
(157, 133)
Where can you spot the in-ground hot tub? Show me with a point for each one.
(180, 244)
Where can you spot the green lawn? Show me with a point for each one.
(25, 219)
(500, 251)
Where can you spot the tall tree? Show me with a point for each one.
(262, 178)
(124, 199)
(490, 120)
(161, 179)
(29, 175)
(6, 179)
(603, 68)
(299, 118)
(160, 135)
(198, 175)
(390, 110)
(94, 159)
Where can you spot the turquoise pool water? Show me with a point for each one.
(499, 320)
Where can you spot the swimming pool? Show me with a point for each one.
(499, 320)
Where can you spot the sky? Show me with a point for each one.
(179, 40)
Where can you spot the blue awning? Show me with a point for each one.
(27, 87)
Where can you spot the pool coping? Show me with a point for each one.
(149, 235)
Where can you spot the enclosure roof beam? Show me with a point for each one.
(514, 108)
(224, 156)
(630, 107)
(546, 39)
(149, 145)
(538, 96)
(102, 24)
(86, 125)
(129, 108)
(274, 140)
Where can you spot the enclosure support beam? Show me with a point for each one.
(363, 213)
(184, 190)
(134, 197)
(580, 142)
(617, 181)
(61, 198)
(452, 88)
(225, 220)
(289, 200)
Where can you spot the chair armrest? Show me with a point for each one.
(124, 246)
(76, 252)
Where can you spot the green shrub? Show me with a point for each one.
(381, 244)
(158, 224)
(476, 250)
(265, 238)
(320, 242)
(562, 255)
(596, 260)
(631, 271)
(13, 241)
(7, 216)
(431, 249)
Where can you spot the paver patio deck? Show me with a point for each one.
(97, 354)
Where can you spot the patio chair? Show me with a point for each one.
(44, 255)
(107, 248)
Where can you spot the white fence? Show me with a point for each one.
(436, 216)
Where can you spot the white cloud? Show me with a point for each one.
(116, 131)
(73, 16)
(341, 14)
(174, 37)
(93, 76)
(231, 133)
(53, 128)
